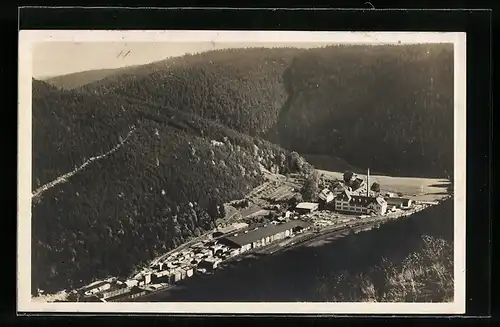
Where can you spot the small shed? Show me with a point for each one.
(306, 207)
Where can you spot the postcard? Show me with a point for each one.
(213, 172)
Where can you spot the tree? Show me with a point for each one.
(311, 186)
(213, 210)
(375, 187)
(272, 215)
(296, 199)
(222, 211)
(348, 175)
(296, 162)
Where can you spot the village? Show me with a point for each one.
(268, 220)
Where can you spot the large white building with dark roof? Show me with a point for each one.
(347, 202)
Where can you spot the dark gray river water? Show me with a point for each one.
(293, 275)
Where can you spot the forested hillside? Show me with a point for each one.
(148, 197)
(386, 107)
(242, 88)
(389, 107)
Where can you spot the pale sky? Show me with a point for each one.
(59, 58)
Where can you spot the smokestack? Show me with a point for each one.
(368, 183)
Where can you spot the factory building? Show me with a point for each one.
(347, 202)
(264, 236)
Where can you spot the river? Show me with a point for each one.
(292, 275)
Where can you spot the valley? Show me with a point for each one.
(217, 128)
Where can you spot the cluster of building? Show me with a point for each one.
(350, 196)
(200, 258)
(353, 195)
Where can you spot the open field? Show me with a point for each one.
(422, 189)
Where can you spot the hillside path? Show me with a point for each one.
(64, 178)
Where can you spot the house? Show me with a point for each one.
(359, 204)
(338, 188)
(399, 202)
(216, 249)
(147, 278)
(162, 276)
(209, 264)
(172, 265)
(306, 207)
(158, 266)
(326, 195)
(131, 282)
(97, 287)
(176, 276)
(189, 272)
(183, 272)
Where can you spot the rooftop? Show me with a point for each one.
(233, 227)
(307, 205)
(255, 235)
(261, 212)
(361, 199)
(391, 200)
(95, 285)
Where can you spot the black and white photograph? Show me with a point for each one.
(241, 172)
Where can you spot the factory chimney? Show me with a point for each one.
(368, 183)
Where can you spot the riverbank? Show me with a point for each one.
(296, 273)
